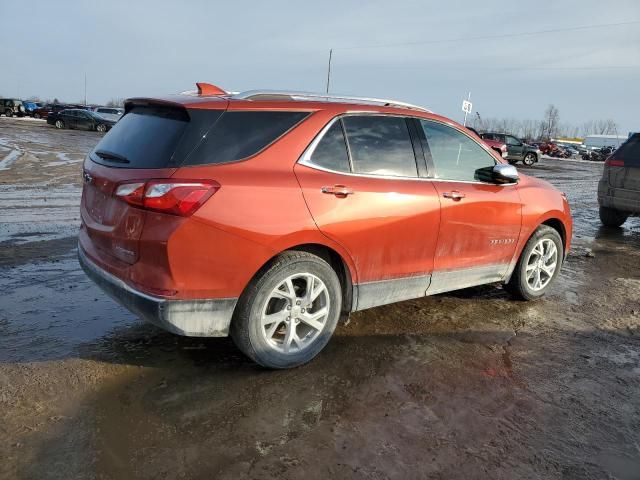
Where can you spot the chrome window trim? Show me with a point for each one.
(305, 158)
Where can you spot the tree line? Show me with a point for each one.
(546, 128)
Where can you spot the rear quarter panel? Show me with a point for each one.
(258, 212)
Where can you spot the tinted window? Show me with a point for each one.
(238, 135)
(455, 155)
(512, 140)
(331, 151)
(629, 152)
(146, 137)
(380, 145)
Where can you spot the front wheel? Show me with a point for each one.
(8, 113)
(289, 311)
(36, 115)
(610, 217)
(538, 266)
(59, 124)
(530, 159)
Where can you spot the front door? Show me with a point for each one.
(515, 148)
(480, 222)
(361, 183)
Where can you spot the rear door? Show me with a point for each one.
(365, 191)
(480, 222)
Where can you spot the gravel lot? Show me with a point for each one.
(463, 385)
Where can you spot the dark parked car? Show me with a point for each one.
(79, 119)
(517, 150)
(11, 107)
(619, 187)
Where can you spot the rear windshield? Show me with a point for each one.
(629, 152)
(161, 137)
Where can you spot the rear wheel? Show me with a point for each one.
(59, 124)
(101, 128)
(8, 112)
(36, 115)
(538, 266)
(288, 312)
(611, 217)
(530, 159)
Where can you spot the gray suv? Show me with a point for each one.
(619, 187)
(517, 150)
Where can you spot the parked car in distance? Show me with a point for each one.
(79, 119)
(12, 106)
(619, 187)
(499, 147)
(30, 107)
(269, 215)
(111, 113)
(517, 150)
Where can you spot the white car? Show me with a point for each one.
(110, 113)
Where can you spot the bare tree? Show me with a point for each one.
(550, 122)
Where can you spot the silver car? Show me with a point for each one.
(619, 187)
(110, 113)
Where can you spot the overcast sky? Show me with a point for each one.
(134, 47)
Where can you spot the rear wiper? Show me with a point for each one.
(114, 157)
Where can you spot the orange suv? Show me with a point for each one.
(268, 215)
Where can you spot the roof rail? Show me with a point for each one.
(266, 95)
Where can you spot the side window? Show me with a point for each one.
(512, 140)
(380, 145)
(455, 156)
(331, 151)
(241, 134)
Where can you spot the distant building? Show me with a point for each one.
(597, 141)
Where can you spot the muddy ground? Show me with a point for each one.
(463, 385)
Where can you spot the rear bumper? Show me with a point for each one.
(192, 318)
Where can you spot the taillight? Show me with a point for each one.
(614, 162)
(176, 197)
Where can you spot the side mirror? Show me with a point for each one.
(503, 173)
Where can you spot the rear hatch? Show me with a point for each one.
(149, 142)
(623, 166)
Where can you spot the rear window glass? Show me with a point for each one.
(238, 135)
(629, 152)
(146, 137)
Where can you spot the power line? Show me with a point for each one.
(489, 37)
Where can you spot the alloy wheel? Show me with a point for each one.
(295, 313)
(541, 264)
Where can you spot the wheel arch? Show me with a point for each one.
(557, 225)
(333, 258)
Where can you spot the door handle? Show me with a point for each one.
(456, 196)
(337, 190)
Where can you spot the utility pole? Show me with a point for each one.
(85, 89)
(329, 70)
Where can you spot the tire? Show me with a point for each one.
(101, 128)
(520, 284)
(36, 115)
(8, 113)
(59, 124)
(266, 343)
(610, 217)
(529, 159)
